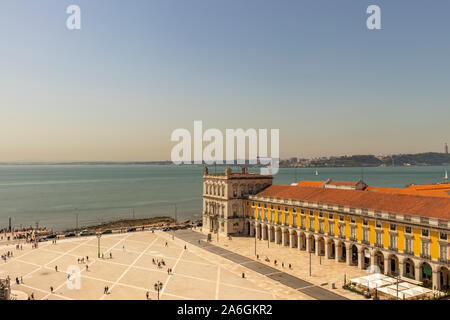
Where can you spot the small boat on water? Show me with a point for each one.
(446, 175)
(316, 173)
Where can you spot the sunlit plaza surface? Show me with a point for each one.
(131, 273)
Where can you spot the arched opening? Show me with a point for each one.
(426, 275)
(379, 261)
(393, 265)
(332, 250)
(258, 231)
(366, 260)
(302, 241)
(278, 235)
(294, 238)
(321, 246)
(444, 278)
(248, 227)
(354, 255)
(271, 234)
(312, 243)
(265, 232)
(409, 268)
(343, 252)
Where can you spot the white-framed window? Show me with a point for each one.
(443, 252)
(302, 221)
(378, 224)
(443, 236)
(425, 248)
(353, 232)
(425, 233)
(408, 244)
(331, 227)
(341, 230)
(379, 238)
(393, 241)
(392, 227)
(311, 222)
(321, 226)
(408, 230)
(365, 235)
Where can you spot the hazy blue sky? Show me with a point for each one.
(137, 70)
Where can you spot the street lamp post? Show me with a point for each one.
(173, 233)
(99, 235)
(310, 263)
(158, 286)
(255, 241)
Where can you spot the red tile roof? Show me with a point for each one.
(435, 207)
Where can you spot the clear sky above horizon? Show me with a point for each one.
(116, 89)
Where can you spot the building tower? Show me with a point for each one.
(224, 196)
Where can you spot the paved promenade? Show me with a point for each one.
(197, 272)
(308, 288)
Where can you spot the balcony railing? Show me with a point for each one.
(393, 248)
(321, 231)
(425, 256)
(444, 260)
(379, 245)
(330, 233)
(302, 227)
(342, 236)
(353, 238)
(409, 251)
(311, 229)
(365, 242)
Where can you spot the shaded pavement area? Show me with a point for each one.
(316, 292)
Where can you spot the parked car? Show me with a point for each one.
(85, 233)
(51, 236)
(131, 229)
(70, 234)
(166, 229)
(106, 231)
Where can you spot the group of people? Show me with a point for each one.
(159, 263)
(19, 247)
(275, 262)
(81, 260)
(7, 255)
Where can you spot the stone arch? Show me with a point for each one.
(409, 268)
(354, 255)
(312, 243)
(321, 247)
(426, 274)
(294, 238)
(331, 249)
(393, 265)
(444, 278)
(379, 260)
(365, 257)
(302, 241)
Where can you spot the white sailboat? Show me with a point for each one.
(446, 175)
(316, 173)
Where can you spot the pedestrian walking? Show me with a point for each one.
(110, 255)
